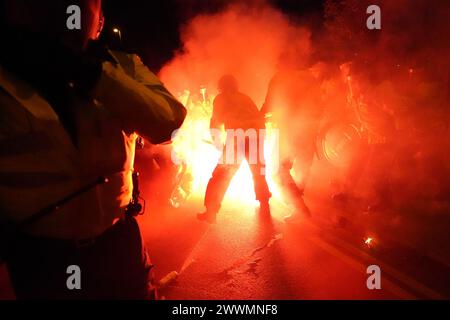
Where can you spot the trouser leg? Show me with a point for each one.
(290, 188)
(260, 184)
(292, 191)
(218, 185)
(255, 159)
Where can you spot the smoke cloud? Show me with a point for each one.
(246, 41)
(400, 71)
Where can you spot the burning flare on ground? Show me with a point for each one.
(369, 242)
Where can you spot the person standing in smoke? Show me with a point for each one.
(235, 111)
(371, 100)
(294, 106)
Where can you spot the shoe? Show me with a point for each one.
(207, 217)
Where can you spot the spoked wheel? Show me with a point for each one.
(338, 143)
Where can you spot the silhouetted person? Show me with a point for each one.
(235, 110)
(70, 115)
(293, 104)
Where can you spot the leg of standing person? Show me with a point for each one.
(216, 189)
(292, 191)
(257, 167)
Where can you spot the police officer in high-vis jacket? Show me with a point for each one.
(69, 119)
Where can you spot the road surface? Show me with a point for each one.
(246, 256)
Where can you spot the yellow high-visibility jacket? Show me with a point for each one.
(39, 163)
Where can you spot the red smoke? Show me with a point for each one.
(403, 68)
(243, 40)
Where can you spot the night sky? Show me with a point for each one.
(151, 28)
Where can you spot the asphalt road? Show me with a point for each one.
(245, 256)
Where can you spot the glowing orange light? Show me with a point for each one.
(195, 148)
(369, 242)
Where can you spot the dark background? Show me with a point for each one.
(152, 28)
